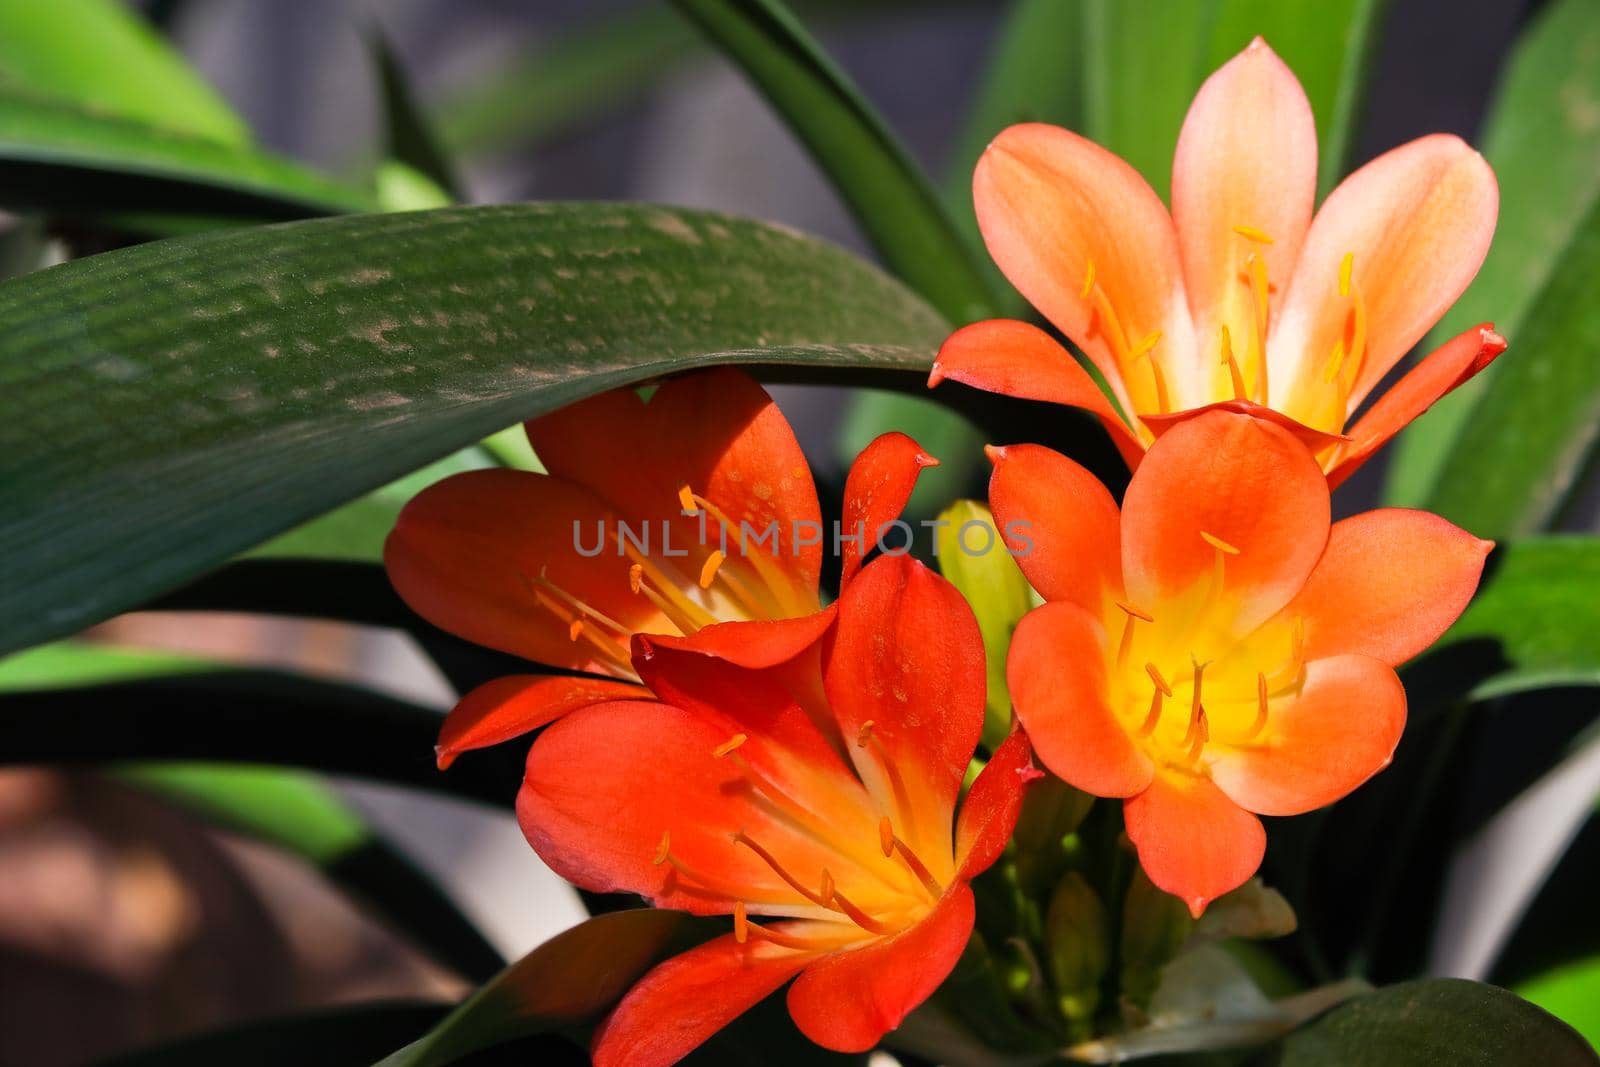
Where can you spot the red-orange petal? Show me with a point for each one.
(467, 554)
(1060, 523)
(847, 1001)
(1390, 582)
(1338, 731)
(989, 812)
(907, 658)
(674, 1008)
(1057, 675)
(758, 643)
(517, 704)
(1233, 478)
(1247, 157)
(1048, 203)
(875, 493)
(715, 431)
(1019, 359)
(1315, 440)
(1452, 363)
(1192, 840)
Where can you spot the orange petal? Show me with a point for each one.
(467, 554)
(1232, 478)
(715, 431)
(1049, 203)
(1059, 522)
(1192, 840)
(1417, 221)
(1019, 359)
(907, 658)
(1057, 676)
(989, 812)
(1247, 158)
(1340, 730)
(1315, 440)
(1390, 583)
(875, 493)
(757, 644)
(1452, 363)
(672, 1010)
(847, 1001)
(509, 707)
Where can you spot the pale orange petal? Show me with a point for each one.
(1192, 840)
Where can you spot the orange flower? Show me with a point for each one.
(692, 514)
(1238, 297)
(727, 799)
(1215, 651)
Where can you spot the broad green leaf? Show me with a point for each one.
(566, 981)
(208, 392)
(1542, 137)
(1518, 457)
(892, 200)
(1570, 993)
(62, 156)
(1448, 1022)
(99, 53)
(332, 1037)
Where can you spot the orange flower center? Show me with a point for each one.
(1184, 681)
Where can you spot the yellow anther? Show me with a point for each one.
(686, 499)
(1155, 676)
(664, 849)
(1252, 234)
(864, 733)
(1146, 345)
(575, 630)
(708, 571)
(1232, 364)
(1346, 266)
(636, 577)
(729, 745)
(886, 836)
(1088, 280)
(1218, 543)
(1260, 722)
(1135, 612)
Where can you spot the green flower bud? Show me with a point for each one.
(1154, 927)
(1077, 938)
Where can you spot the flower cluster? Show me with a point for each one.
(1212, 650)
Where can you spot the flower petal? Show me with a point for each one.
(1417, 221)
(1019, 359)
(1315, 440)
(1192, 840)
(759, 643)
(875, 493)
(989, 812)
(1049, 204)
(673, 1009)
(1226, 477)
(1338, 731)
(468, 554)
(907, 658)
(1247, 158)
(1452, 363)
(1059, 522)
(715, 431)
(1057, 675)
(517, 704)
(1391, 581)
(847, 1001)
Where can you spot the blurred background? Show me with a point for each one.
(118, 909)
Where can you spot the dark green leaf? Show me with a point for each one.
(207, 392)
(1447, 1022)
(892, 199)
(335, 1037)
(99, 53)
(566, 981)
(66, 157)
(1518, 457)
(1544, 143)
(410, 138)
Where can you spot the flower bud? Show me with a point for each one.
(1078, 941)
(1154, 927)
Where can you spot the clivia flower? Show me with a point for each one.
(725, 798)
(1215, 650)
(1238, 297)
(691, 513)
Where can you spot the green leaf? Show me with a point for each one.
(67, 157)
(209, 392)
(409, 135)
(1543, 140)
(891, 198)
(566, 981)
(1447, 1022)
(1570, 993)
(101, 54)
(336, 1037)
(1518, 457)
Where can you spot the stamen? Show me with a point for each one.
(1252, 234)
(1346, 267)
(1163, 400)
(1218, 543)
(729, 745)
(1196, 711)
(1232, 364)
(636, 578)
(741, 923)
(663, 590)
(568, 608)
(1258, 337)
(886, 837)
(1153, 717)
(575, 631)
(902, 799)
(1088, 280)
(1260, 722)
(1146, 345)
(859, 917)
(708, 570)
(686, 498)
(764, 933)
(740, 837)
(918, 868)
(1133, 613)
(766, 567)
(663, 849)
(1155, 676)
(1202, 734)
(826, 892)
(1223, 550)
